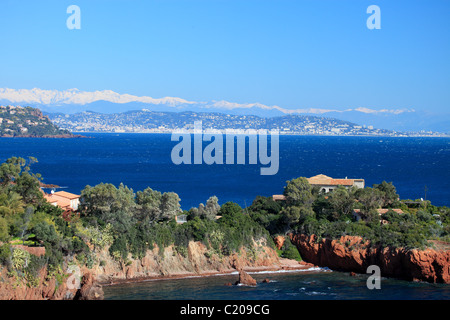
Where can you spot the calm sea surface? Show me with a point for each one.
(144, 160)
(323, 285)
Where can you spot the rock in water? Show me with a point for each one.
(246, 279)
(90, 289)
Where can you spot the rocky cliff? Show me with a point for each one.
(353, 254)
(167, 263)
(196, 261)
(49, 288)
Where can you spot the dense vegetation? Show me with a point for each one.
(308, 211)
(128, 223)
(26, 218)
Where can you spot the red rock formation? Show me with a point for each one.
(155, 264)
(246, 279)
(90, 289)
(49, 289)
(353, 254)
(279, 242)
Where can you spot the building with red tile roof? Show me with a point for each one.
(328, 184)
(63, 199)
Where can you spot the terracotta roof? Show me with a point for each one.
(322, 179)
(59, 201)
(66, 195)
(383, 211)
(342, 182)
(61, 198)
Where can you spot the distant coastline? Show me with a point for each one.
(80, 133)
(146, 121)
(58, 136)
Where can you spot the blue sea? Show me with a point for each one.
(320, 284)
(418, 167)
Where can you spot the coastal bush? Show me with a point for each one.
(329, 215)
(266, 212)
(20, 259)
(5, 254)
(118, 248)
(31, 272)
(45, 232)
(4, 230)
(265, 206)
(290, 251)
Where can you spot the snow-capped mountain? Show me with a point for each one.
(107, 101)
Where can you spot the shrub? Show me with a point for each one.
(4, 230)
(5, 254)
(290, 252)
(118, 249)
(20, 259)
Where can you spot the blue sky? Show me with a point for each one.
(295, 54)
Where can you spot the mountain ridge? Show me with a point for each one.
(73, 101)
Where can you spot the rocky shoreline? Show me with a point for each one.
(166, 264)
(285, 265)
(353, 254)
(349, 254)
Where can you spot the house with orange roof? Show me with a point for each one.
(64, 200)
(279, 197)
(328, 184)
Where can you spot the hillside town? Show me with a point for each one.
(145, 121)
(18, 121)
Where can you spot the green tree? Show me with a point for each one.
(10, 170)
(298, 192)
(108, 203)
(212, 208)
(11, 203)
(230, 210)
(265, 205)
(293, 215)
(4, 230)
(170, 206)
(28, 187)
(148, 205)
(152, 206)
(369, 198)
(390, 195)
(342, 202)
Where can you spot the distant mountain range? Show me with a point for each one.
(74, 101)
